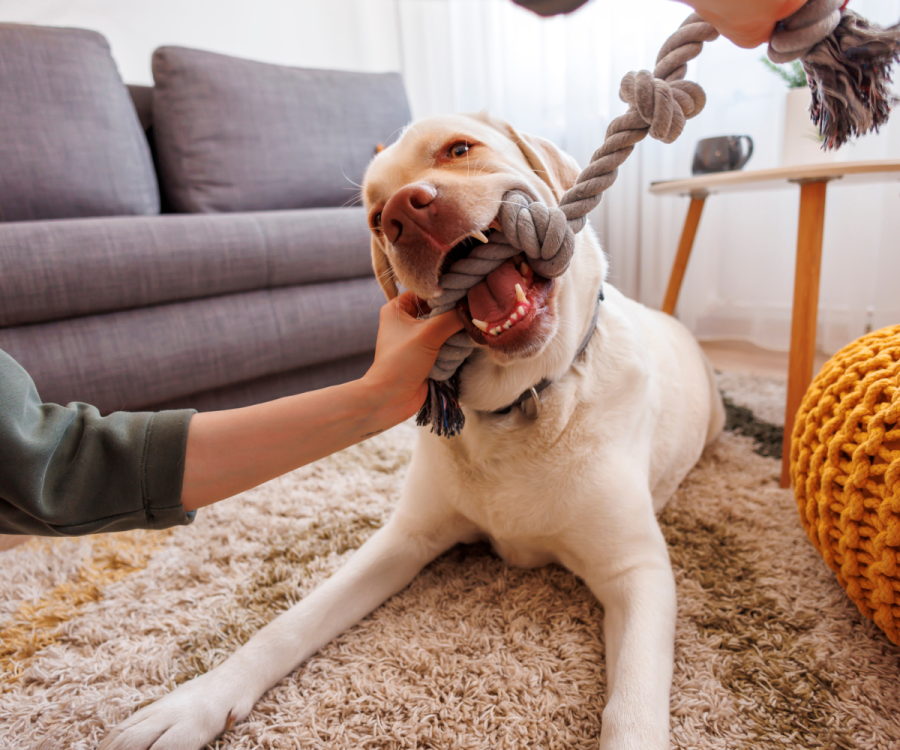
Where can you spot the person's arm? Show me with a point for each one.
(231, 451)
(747, 23)
(66, 470)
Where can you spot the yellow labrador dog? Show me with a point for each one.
(630, 406)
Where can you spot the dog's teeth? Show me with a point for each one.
(520, 310)
(514, 317)
(520, 295)
(506, 325)
(480, 324)
(524, 269)
(479, 235)
(495, 225)
(497, 331)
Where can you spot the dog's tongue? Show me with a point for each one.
(494, 298)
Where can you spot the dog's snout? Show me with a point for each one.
(409, 207)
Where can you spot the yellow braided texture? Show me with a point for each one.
(845, 466)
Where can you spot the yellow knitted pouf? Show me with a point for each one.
(845, 466)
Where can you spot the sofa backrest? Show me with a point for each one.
(236, 135)
(70, 141)
(222, 134)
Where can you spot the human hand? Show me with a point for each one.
(747, 23)
(404, 355)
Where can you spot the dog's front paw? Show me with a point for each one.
(185, 719)
(627, 727)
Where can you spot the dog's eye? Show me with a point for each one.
(458, 149)
(376, 221)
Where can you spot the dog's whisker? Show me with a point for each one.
(348, 179)
(471, 181)
(388, 274)
(400, 130)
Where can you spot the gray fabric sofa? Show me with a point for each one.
(186, 245)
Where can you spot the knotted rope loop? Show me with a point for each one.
(655, 103)
(541, 232)
(660, 103)
(798, 34)
(682, 47)
(847, 61)
(452, 354)
(665, 107)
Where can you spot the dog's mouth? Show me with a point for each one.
(501, 311)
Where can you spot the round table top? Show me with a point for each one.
(883, 170)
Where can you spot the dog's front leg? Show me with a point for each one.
(199, 710)
(632, 578)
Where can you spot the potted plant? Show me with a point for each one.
(802, 142)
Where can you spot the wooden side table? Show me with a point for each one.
(813, 181)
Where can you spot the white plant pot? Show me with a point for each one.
(801, 137)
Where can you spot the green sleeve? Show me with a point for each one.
(67, 470)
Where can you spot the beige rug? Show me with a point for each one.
(770, 653)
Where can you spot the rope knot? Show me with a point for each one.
(664, 106)
(541, 232)
(798, 34)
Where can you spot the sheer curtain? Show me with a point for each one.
(560, 78)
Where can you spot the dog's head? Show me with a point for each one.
(435, 194)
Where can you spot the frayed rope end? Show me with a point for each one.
(441, 409)
(849, 78)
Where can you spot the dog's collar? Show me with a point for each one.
(534, 392)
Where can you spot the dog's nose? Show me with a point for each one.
(410, 208)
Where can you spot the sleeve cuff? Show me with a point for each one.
(162, 469)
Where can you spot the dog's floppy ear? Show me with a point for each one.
(383, 271)
(554, 166)
(551, 164)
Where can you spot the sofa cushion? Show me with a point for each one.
(70, 141)
(130, 359)
(236, 135)
(58, 269)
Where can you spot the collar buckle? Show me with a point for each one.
(532, 394)
(531, 407)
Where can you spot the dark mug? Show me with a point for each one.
(722, 154)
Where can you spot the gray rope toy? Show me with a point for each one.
(847, 61)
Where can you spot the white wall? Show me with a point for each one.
(311, 33)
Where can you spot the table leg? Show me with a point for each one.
(806, 308)
(684, 252)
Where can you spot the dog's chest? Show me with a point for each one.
(520, 487)
(518, 510)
